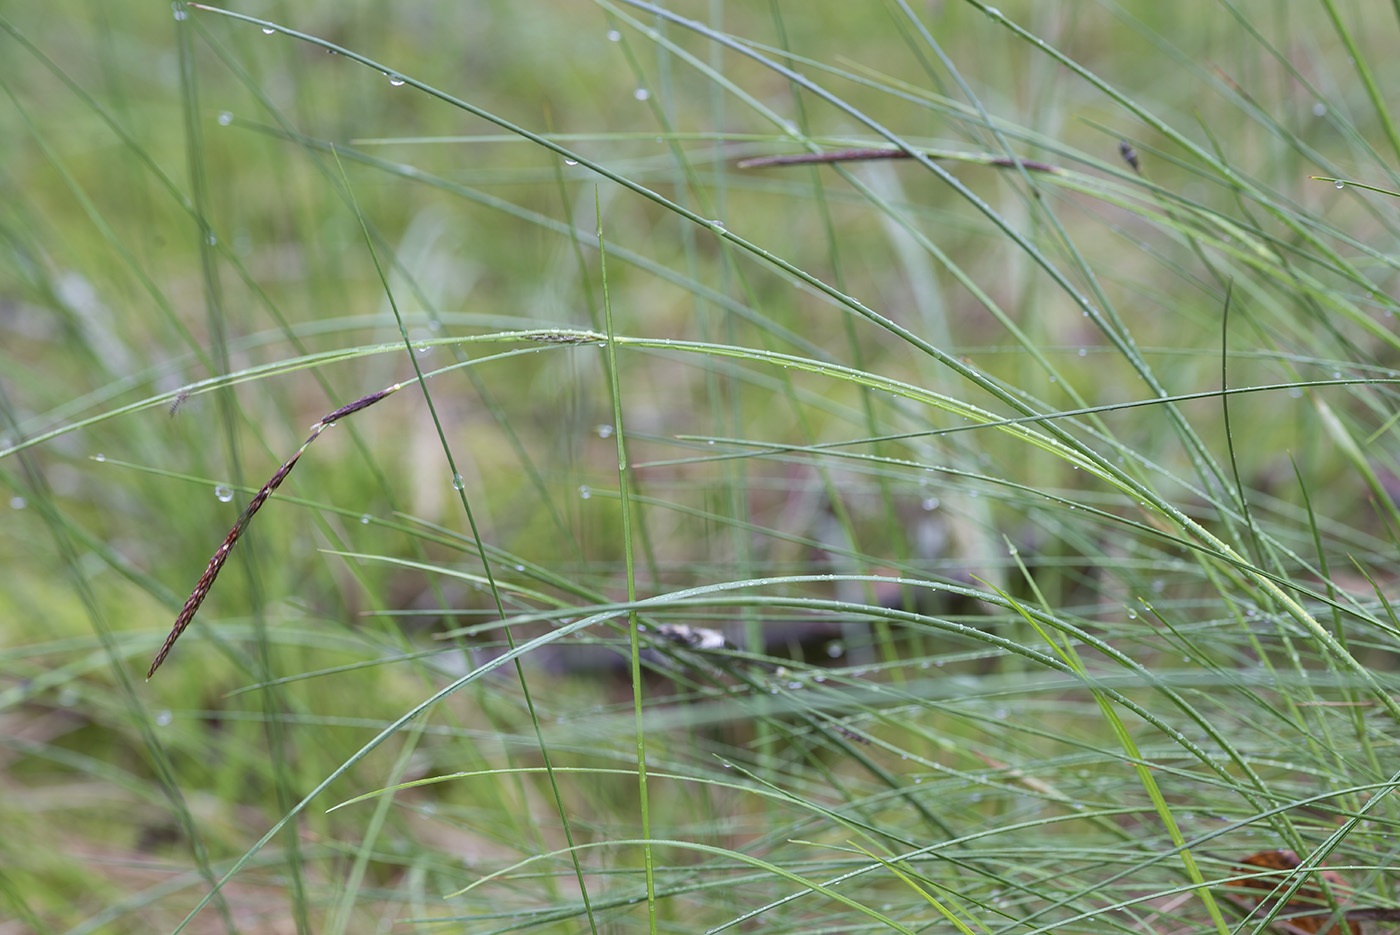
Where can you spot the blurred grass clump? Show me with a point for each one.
(1004, 536)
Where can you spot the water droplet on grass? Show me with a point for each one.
(457, 482)
(178, 10)
(614, 35)
(268, 30)
(1319, 109)
(604, 431)
(364, 518)
(584, 492)
(929, 504)
(18, 503)
(223, 493)
(1339, 184)
(99, 457)
(641, 94)
(396, 81)
(835, 649)
(164, 718)
(225, 118)
(570, 162)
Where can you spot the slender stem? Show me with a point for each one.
(624, 491)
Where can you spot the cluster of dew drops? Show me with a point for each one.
(398, 81)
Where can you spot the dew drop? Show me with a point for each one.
(179, 12)
(99, 457)
(224, 494)
(604, 431)
(1319, 109)
(835, 649)
(717, 225)
(396, 81)
(929, 504)
(364, 518)
(993, 14)
(18, 503)
(614, 35)
(584, 491)
(519, 567)
(268, 30)
(225, 118)
(422, 349)
(457, 482)
(1083, 352)
(164, 718)
(1339, 184)
(570, 162)
(210, 239)
(641, 94)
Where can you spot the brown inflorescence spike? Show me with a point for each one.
(206, 580)
(860, 155)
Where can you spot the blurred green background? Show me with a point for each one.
(1000, 678)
